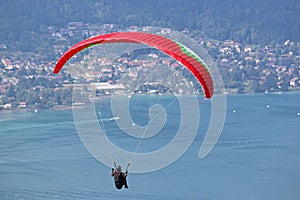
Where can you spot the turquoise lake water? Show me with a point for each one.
(256, 157)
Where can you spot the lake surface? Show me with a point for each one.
(256, 157)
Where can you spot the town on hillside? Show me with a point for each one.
(27, 80)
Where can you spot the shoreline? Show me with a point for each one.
(82, 105)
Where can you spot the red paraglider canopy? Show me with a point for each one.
(168, 46)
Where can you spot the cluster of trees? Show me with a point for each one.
(24, 23)
(36, 88)
(248, 79)
(37, 97)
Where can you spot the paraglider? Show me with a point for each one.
(119, 176)
(172, 48)
(180, 53)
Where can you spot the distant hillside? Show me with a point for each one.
(254, 21)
